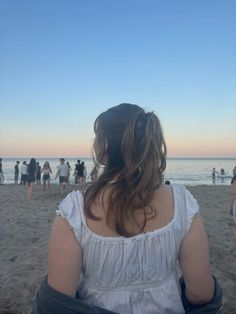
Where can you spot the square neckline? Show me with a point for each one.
(152, 233)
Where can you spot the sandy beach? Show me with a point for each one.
(25, 227)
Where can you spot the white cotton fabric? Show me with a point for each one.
(134, 275)
(234, 211)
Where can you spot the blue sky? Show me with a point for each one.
(63, 62)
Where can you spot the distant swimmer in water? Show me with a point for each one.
(222, 171)
(214, 172)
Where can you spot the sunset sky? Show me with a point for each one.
(64, 62)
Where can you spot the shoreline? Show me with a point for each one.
(25, 227)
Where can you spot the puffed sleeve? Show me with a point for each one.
(70, 209)
(192, 208)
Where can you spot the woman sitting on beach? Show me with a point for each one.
(118, 248)
(46, 170)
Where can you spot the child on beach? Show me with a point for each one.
(118, 247)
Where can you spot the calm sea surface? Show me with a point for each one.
(189, 171)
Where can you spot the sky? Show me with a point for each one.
(64, 62)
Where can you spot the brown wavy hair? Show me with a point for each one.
(132, 145)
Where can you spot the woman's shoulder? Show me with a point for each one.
(71, 208)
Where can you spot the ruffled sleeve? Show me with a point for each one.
(70, 209)
(192, 208)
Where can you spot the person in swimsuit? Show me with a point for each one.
(46, 171)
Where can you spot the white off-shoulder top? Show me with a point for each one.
(135, 275)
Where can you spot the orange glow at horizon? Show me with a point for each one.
(82, 147)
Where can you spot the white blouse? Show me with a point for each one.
(136, 275)
(234, 211)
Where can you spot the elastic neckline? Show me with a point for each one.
(136, 237)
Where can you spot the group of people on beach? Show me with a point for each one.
(33, 174)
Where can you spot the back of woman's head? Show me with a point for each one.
(131, 146)
(32, 166)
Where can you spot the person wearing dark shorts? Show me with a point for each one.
(62, 173)
(46, 170)
(62, 179)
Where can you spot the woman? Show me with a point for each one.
(38, 174)
(46, 170)
(31, 172)
(119, 247)
(94, 173)
(83, 179)
(69, 170)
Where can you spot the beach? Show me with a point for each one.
(25, 228)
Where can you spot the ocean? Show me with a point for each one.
(188, 171)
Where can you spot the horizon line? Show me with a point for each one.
(91, 157)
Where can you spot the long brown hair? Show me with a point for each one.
(133, 148)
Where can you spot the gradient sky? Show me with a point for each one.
(63, 62)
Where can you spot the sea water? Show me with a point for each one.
(188, 171)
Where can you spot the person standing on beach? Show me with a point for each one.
(118, 246)
(46, 176)
(23, 170)
(62, 172)
(31, 176)
(83, 179)
(234, 172)
(1, 173)
(94, 172)
(77, 166)
(38, 174)
(80, 173)
(16, 170)
(69, 170)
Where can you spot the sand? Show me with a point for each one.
(25, 227)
